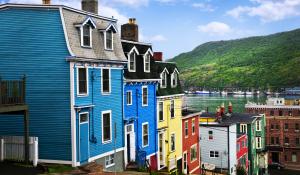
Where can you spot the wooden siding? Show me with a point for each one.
(33, 44)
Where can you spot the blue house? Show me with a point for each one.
(139, 98)
(73, 62)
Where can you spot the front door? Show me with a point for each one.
(184, 163)
(130, 136)
(275, 157)
(161, 150)
(84, 137)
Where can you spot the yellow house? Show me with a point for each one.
(169, 105)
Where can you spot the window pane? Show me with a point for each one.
(172, 109)
(145, 96)
(86, 35)
(132, 61)
(82, 79)
(105, 80)
(84, 118)
(128, 97)
(161, 114)
(145, 135)
(106, 127)
(109, 41)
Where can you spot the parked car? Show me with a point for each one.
(275, 165)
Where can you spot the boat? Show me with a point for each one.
(202, 92)
(223, 93)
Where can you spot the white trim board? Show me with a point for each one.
(73, 116)
(105, 154)
(66, 162)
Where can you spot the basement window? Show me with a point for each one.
(109, 161)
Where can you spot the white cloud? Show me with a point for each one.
(215, 28)
(203, 7)
(149, 39)
(129, 3)
(268, 10)
(158, 38)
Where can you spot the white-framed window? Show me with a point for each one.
(186, 128)
(172, 109)
(213, 154)
(161, 111)
(109, 160)
(106, 81)
(193, 152)
(258, 142)
(193, 127)
(243, 128)
(132, 60)
(174, 78)
(163, 77)
(210, 135)
(108, 39)
(258, 125)
(84, 117)
(144, 96)
(106, 127)
(82, 81)
(129, 97)
(147, 59)
(145, 134)
(86, 35)
(173, 142)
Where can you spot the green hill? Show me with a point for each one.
(264, 61)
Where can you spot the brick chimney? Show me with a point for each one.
(158, 56)
(130, 31)
(90, 6)
(46, 2)
(230, 108)
(222, 110)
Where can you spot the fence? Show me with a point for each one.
(12, 92)
(12, 148)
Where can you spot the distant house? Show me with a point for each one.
(73, 62)
(169, 104)
(140, 82)
(190, 142)
(242, 151)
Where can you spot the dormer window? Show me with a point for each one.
(163, 75)
(147, 63)
(132, 59)
(86, 36)
(174, 79)
(109, 40)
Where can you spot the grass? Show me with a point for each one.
(59, 168)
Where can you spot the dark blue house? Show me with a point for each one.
(140, 85)
(73, 62)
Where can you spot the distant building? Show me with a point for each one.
(242, 151)
(282, 130)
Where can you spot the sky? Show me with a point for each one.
(177, 26)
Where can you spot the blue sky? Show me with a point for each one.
(176, 26)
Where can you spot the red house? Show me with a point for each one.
(190, 142)
(242, 151)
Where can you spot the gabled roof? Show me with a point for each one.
(88, 20)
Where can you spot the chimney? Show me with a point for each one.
(130, 31)
(230, 108)
(90, 6)
(158, 56)
(46, 2)
(222, 110)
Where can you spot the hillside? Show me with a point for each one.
(264, 61)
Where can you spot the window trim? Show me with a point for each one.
(211, 134)
(87, 81)
(173, 109)
(88, 116)
(214, 153)
(241, 128)
(102, 134)
(173, 133)
(163, 111)
(166, 78)
(109, 74)
(81, 37)
(196, 158)
(186, 128)
(150, 53)
(112, 40)
(133, 50)
(172, 78)
(129, 91)
(193, 126)
(143, 124)
(258, 140)
(258, 122)
(110, 165)
(145, 87)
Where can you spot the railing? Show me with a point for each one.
(12, 148)
(12, 92)
(172, 164)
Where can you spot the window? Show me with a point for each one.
(145, 96)
(172, 109)
(297, 141)
(296, 126)
(109, 40)
(272, 140)
(186, 128)
(237, 147)
(109, 160)
(272, 113)
(193, 126)
(131, 62)
(129, 97)
(210, 135)
(145, 134)
(294, 157)
(173, 142)
(82, 81)
(106, 126)
(214, 154)
(161, 110)
(147, 63)
(84, 117)
(105, 80)
(258, 142)
(258, 126)
(243, 128)
(290, 113)
(286, 126)
(164, 79)
(86, 36)
(286, 140)
(272, 126)
(277, 141)
(174, 79)
(277, 127)
(280, 113)
(193, 153)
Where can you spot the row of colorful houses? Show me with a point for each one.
(93, 95)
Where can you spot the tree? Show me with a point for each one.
(240, 170)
